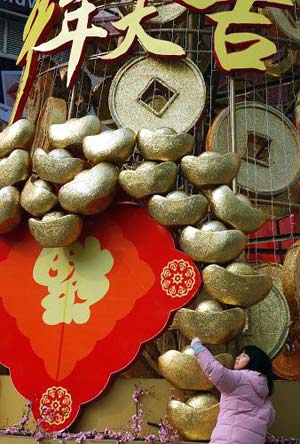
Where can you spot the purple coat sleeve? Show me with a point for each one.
(224, 379)
(272, 415)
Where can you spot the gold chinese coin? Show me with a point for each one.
(268, 144)
(143, 78)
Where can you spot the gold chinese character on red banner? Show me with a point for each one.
(76, 37)
(248, 49)
(42, 17)
(131, 26)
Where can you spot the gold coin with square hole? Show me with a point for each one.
(150, 93)
(268, 143)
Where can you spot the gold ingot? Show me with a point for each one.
(211, 327)
(37, 197)
(114, 146)
(236, 210)
(56, 229)
(196, 419)
(290, 196)
(167, 12)
(10, 210)
(178, 208)
(208, 304)
(72, 132)
(183, 371)
(230, 287)
(18, 135)
(149, 178)
(58, 166)
(290, 279)
(15, 168)
(92, 191)
(212, 246)
(211, 168)
(156, 145)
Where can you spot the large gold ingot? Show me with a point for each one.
(183, 371)
(15, 168)
(212, 327)
(211, 168)
(72, 132)
(178, 208)
(149, 178)
(235, 210)
(212, 246)
(18, 135)
(10, 210)
(286, 23)
(290, 279)
(58, 166)
(233, 288)
(159, 145)
(290, 196)
(92, 191)
(37, 197)
(110, 146)
(262, 131)
(196, 419)
(56, 229)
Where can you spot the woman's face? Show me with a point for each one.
(241, 361)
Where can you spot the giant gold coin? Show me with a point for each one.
(141, 78)
(290, 279)
(268, 143)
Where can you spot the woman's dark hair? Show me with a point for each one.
(260, 362)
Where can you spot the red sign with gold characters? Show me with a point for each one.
(75, 316)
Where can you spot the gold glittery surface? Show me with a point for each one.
(182, 210)
(290, 279)
(57, 166)
(212, 327)
(212, 246)
(281, 166)
(91, 191)
(183, 371)
(37, 197)
(167, 12)
(14, 168)
(149, 178)
(157, 146)
(274, 212)
(72, 132)
(17, 135)
(110, 146)
(236, 289)
(269, 320)
(231, 209)
(128, 101)
(196, 419)
(206, 170)
(285, 23)
(56, 229)
(277, 68)
(10, 210)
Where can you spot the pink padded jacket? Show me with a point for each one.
(246, 412)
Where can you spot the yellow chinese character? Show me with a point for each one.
(131, 26)
(77, 37)
(42, 17)
(76, 280)
(248, 50)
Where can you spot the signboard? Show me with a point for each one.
(23, 7)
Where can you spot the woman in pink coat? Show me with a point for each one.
(246, 409)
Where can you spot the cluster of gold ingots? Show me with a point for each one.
(78, 176)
